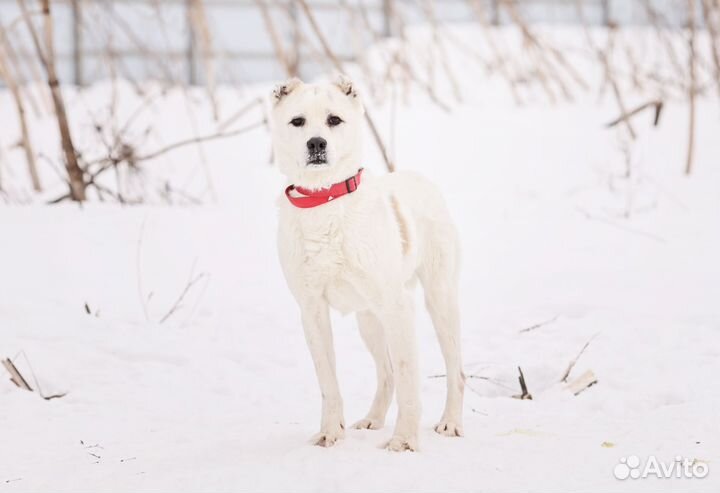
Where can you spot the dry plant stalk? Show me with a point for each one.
(545, 54)
(27, 64)
(499, 59)
(280, 54)
(524, 392)
(604, 59)
(659, 22)
(711, 14)
(438, 43)
(46, 56)
(201, 34)
(192, 281)
(548, 65)
(7, 75)
(574, 361)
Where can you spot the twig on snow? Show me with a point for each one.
(477, 377)
(525, 394)
(657, 104)
(15, 375)
(539, 324)
(17, 378)
(574, 361)
(191, 282)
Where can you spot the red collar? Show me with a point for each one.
(314, 198)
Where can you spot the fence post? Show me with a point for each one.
(77, 53)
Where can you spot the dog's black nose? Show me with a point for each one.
(316, 144)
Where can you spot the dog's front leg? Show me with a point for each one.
(318, 333)
(397, 319)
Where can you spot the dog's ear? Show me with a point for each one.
(346, 85)
(282, 90)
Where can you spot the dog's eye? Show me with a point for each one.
(298, 121)
(334, 120)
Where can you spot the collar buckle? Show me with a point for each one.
(351, 184)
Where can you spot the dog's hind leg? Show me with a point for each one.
(439, 277)
(374, 337)
(318, 333)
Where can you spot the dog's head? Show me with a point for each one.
(317, 131)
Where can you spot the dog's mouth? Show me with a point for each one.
(317, 159)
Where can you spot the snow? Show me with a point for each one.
(222, 395)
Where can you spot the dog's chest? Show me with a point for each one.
(330, 264)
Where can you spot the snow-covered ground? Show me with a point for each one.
(221, 395)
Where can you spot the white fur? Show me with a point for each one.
(362, 253)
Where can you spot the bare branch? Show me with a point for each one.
(197, 140)
(711, 15)
(658, 105)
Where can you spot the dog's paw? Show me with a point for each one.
(399, 444)
(369, 424)
(328, 438)
(449, 428)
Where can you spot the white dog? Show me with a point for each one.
(357, 244)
